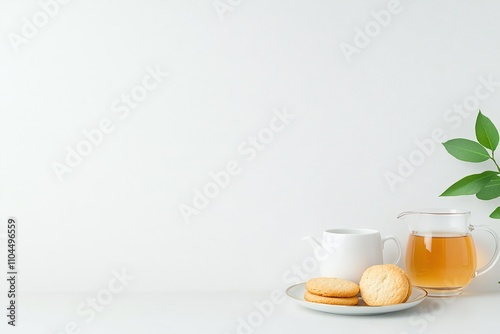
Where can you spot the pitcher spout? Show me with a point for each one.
(411, 219)
(406, 213)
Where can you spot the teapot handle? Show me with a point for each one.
(496, 253)
(398, 244)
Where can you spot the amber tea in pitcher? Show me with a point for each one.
(439, 261)
(440, 254)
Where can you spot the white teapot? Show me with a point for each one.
(347, 252)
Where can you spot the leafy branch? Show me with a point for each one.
(486, 185)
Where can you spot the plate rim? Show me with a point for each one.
(357, 310)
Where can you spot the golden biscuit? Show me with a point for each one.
(410, 290)
(332, 287)
(384, 284)
(345, 301)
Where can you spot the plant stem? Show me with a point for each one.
(494, 161)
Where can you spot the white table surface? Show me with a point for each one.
(222, 313)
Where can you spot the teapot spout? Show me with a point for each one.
(314, 244)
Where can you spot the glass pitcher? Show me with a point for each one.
(441, 255)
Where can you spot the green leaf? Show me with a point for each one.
(466, 150)
(496, 214)
(491, 190)
(470, 185)
(486, 132)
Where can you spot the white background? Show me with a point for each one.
(354, 122)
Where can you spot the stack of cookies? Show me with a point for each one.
(333, 291)
(380, 285)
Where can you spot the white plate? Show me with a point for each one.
(296, 292)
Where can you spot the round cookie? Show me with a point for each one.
(410, 290)
(332, 287)
(345, 301)
(384, 284)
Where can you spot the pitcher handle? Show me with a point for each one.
(496, 253)
(398, 244)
